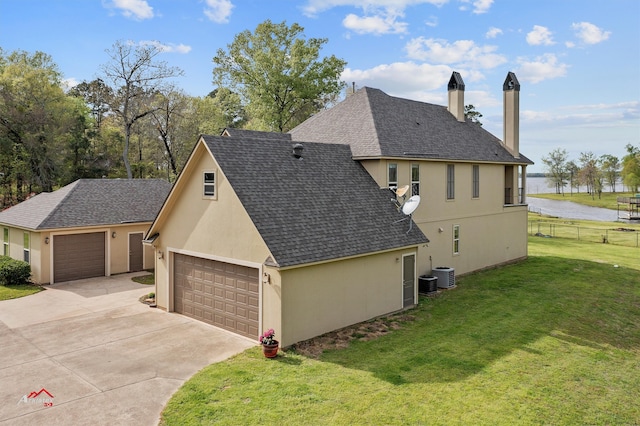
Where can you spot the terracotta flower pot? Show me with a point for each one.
(270, 351)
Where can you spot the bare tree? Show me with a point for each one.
(136, 76)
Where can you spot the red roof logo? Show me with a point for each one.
(40, 394)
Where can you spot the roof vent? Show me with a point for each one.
(297, 150)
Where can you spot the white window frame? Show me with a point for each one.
(209, 184)
(456, 239)
(392, 183)
(26, 247)
(415, 179)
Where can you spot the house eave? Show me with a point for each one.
(340, 259)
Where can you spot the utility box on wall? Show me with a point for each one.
(446, 276)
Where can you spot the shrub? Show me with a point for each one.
(13, 272)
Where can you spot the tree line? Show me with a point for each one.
(592, 172)
(133, 121)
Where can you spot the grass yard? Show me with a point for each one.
(552, 340)
(16, 291)
(608, 200)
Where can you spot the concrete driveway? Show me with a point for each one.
(104, 357)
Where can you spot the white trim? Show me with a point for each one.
(171, 252)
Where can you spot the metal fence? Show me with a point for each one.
(619, 236)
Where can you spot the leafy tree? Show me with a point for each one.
(610, 166)
(136, 76)
(278, 75)
(38, 124)
(573, 171)
(631, 168)
(96, 94)
(556, 165)
(590, 173)
(471, 114)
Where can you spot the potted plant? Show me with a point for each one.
(269, 343)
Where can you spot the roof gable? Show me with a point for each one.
(376, 124)
(90, 202)
(318, 207)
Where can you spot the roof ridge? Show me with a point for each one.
(72, 187)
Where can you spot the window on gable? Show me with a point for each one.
(5, 241)
(451, 182)
(392, 175)
(456, 239)
(27, 248)
(415, 179)
(476, 181)
(209, 183)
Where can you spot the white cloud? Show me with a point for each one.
(479, 6)
(589, 33)
(432, 21)
(570, 44)
(374, 24)
(218, 11)
(136, 9)
(540, 35)
(460, 52)
(400, 77)
(544, 67)
(69, 83)
(168, 47)
(493, 32)
(314, 7)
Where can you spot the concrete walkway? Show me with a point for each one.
(105, 357)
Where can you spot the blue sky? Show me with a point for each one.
(578, 62)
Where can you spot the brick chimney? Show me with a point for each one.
(456, 96)
(511, 105)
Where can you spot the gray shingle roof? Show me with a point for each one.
(320, 207)
(255, 134)
(90, 202)
(375, 124)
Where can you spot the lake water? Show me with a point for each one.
(571, 210)
(541, 185)
(566, 209)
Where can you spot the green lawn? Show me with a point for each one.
(16, 291)
(607, 200)
(552, 340)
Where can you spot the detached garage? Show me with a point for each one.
(89, 228)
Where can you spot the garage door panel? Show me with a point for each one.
(78, 256)
(219, 293)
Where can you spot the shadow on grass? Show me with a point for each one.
(492, 314)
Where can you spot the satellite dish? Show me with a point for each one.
(408, 208)
(401, 191)
(411, 205)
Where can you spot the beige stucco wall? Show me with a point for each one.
(218, 229)
(325, 297)
(490, 232)
(42, 255)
